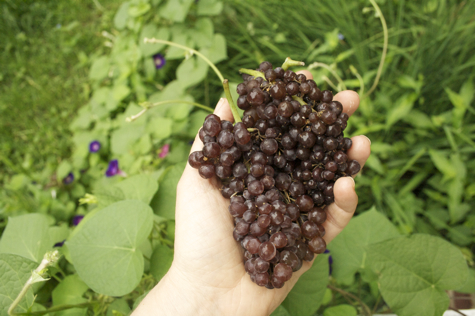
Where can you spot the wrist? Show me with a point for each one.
(175, 295)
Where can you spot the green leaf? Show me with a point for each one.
(196, 121)
(467, 92)
(161, 261)
(58, 233)
(340, 310)
(191, 71)
(138, 9)
(104, 251)
(152, 31)
(400, 109)
(140, 187)
(108, 195)
(118, 305)
(176, 10)
(160, 127)
(120, 92)
(63, 170)
(417, 269)
(349, 248)
(217, 51)
(14, 272)
(443, 164)
(307, 295)
(70, 291)
(203, 32)
(124, 137)
(99, 68)
(120, 18)
(163, 202)
(26, 236)
(456, 99)
(469, 285)
(280, 311)
(210, 7)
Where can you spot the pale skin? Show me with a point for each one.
(207, 276)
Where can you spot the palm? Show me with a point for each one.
(208, 263)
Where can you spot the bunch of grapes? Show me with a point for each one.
(278, 166)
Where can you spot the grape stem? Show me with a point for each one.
(254, 73)
(148, 105)
(291, 63)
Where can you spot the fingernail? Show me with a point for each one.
(354, 184)
(367, 138)
(219, 105)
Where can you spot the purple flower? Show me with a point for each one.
(94, 146)
(113, 168)
(59, 244)
(77, 219)
(330, 261)
(69, 178)
(159, 61)
(164, 151)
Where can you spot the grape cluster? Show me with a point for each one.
(278, 166)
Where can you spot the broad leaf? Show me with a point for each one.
(14, 272)
(152, 31)
(349, 248)
(280, 311)
(160, 127)
(99, 69)
(191, 71)
(105, 251)
(400, 109)
(27, 236)
(210, 7)
(217, 51)
(120, 18)
(161, 261)
(140, 187)
(176, 10)
(417, 269)
(70, 291)
(118, 305)
(443, 164)
(340, 310)
(307, 294)
(164, 201)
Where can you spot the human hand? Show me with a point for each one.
(207, 275)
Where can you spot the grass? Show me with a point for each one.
(43, 79)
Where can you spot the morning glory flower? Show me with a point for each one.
(159, 61)
(113, 168)
(94, 146)
(69, 178)
(164, 151)
(77, 219)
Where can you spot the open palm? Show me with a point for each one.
(208, 268)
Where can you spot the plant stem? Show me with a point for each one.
(227, 92)
(291, 63)
(356, 298)
(48, 259)
(148, 106)
(57, 308)
(253, 73)
(332, 71)
(385, 47)
(159, 41)
(458, 311)
(360, 79)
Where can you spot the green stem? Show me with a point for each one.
(159, 41)
(48, 259)
(360, 79)
(148, 106)
(291, 63)
(356, 298)
(385, 47)
(254, 73)
(227, 92)
(58, 308)
(331, 70)
(330, 83)
(299, 99)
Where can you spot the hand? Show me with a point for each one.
(207, 275)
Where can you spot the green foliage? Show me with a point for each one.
(307, 294)
(14, 272)
(340, 310)
(70, 291)
(104, 250)
(417, 269)
(161, 261)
